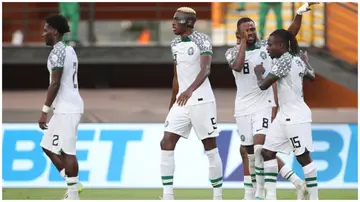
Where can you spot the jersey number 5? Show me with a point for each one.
(213, 122)
(74, 75)
(246, 69)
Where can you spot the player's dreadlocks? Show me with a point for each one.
(288, 39)
(244, 19)
(59, 23)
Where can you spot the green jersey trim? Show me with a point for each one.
(254, 47)
(57, 67)
(273, 75)
(186, 39)
(206, 53)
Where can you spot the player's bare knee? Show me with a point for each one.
(165, 144)
(250, 149)
(304, 159)
(243, 153)
(169, 141)
(268, 155)
(209, 143)
(259, 139)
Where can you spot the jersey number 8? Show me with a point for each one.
(74, 75)
(246, 68)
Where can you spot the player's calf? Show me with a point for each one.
(215, 167)
(310, 173)
(259, 170)
(289, 174)
(167, 164)
(270, 173)
(57, 160)
(251, 157)
(259, 166)
(248, 185)
(72, 180)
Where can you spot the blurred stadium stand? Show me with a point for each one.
(126, 46)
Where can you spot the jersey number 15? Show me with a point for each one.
(74, 75)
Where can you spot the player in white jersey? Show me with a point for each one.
(59, 140)
(291, 129)
(193, 102)
(248, 121)
(255, 109)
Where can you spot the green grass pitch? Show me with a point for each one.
(153, 194)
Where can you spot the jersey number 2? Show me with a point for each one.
(246, 69)
(74, 75)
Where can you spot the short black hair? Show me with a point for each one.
(244, 19)
(288, 39)
(59, 23)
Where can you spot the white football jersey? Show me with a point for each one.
(290, 70)
(249, 97)
(68, 99)
(186, 54)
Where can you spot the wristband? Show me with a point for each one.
(45, 109)
(303, 9)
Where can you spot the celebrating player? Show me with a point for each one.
(59, 141)
(192, 103)
(255, 109)
(291, 129)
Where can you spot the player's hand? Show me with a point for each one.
(184, 97)
(259, 69)
(238, 39)
(42, 121)
(303, 55)
(305, 8)
(243, 31)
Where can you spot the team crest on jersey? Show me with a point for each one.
(263, 55)
(242, 137)
(191, 51)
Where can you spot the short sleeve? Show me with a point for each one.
(173, 44)
(205, 46)
(203, 42)
(230, 56)
(57, 57)
(282, 66)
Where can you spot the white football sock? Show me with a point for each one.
(167, 166)
(215, 172)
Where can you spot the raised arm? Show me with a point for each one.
(296, 24)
